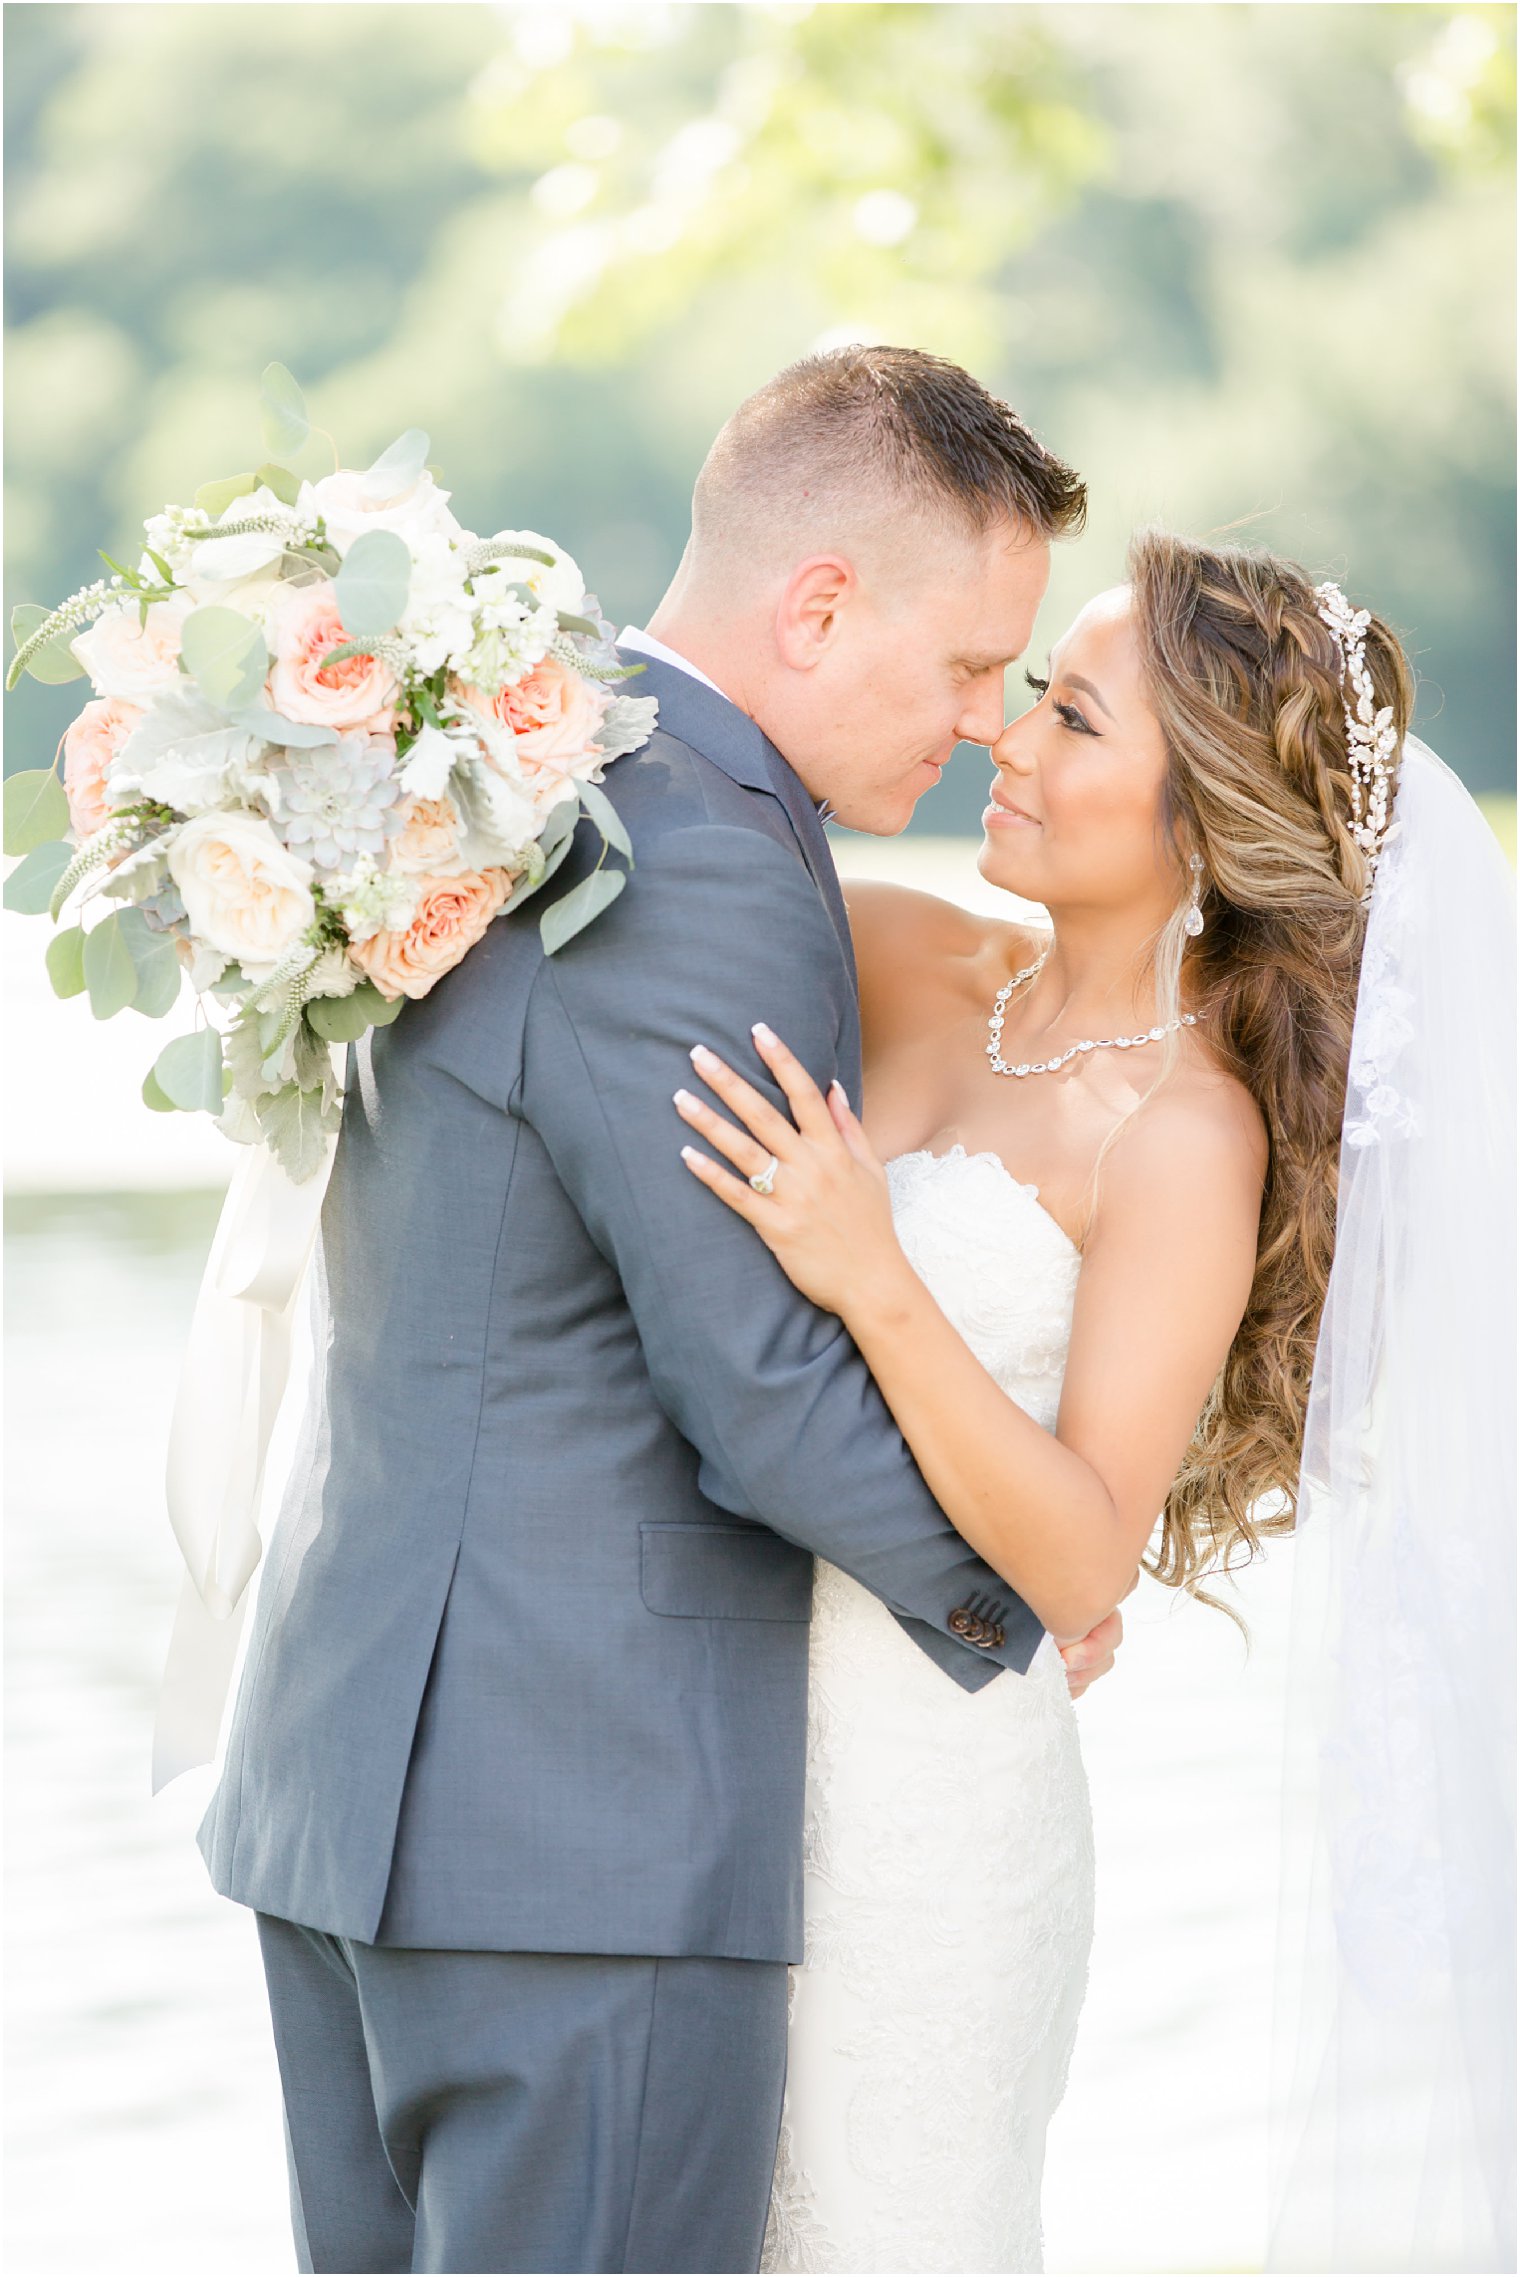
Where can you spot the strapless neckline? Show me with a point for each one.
(958, 1153)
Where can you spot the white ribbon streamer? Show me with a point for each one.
(231, 1384)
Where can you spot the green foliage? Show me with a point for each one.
(606, 817)
(285, 485)
(214, 498)
(153, 1096)
(295, 1124)
(188, 1072)
(283, 408)
(53, 664)
(65, 961)
(157, 965)
(344, 1019)
(29, 888)
(372, 584)
(574, 911)
(110, 969)
(35, 809)
(225, 654)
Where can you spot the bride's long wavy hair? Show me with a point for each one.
(1246, 681)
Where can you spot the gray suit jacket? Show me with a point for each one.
(529, 1664)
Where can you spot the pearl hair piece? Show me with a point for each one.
(1371, 737)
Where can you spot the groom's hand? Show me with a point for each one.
(1092, 1656)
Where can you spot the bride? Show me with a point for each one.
(1084, 1240)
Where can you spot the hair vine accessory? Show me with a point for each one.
(1192, 924)
(1371, 737)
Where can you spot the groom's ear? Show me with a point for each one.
(808, 612)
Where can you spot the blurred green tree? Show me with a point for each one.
(1237, 262)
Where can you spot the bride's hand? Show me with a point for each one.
(828, 1221)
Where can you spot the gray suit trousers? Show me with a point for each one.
(457, 2110)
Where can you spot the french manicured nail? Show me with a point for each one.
(762, 1034)
(684, 1099)
(702, 1057)
(690, 1154)
(838, 1091)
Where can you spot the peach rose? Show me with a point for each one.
(554, 715)
(450, 917)
(360, 692)
(89, 751)
(429, 839)
(125, 657)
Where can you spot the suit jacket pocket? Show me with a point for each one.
(734, 1573)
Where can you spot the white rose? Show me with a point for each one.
(348, 507)
(126, 658)
(244, 893)
(559, 587)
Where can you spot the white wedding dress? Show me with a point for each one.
(947, 1848)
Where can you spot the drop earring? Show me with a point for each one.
(1192, 924)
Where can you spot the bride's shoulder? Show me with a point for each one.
(1197, 1148)
(909, 944)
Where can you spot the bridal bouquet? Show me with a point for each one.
(333, 734)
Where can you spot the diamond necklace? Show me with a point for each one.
(1000, 1066)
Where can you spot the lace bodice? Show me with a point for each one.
(947, 1846)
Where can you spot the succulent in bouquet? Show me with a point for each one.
(333, 735)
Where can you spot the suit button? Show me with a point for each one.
(977, 1628)
(962, 1621)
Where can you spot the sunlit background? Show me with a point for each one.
(1248, 267)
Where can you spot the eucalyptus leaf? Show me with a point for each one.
(282, 407)
(570, 623)
(606, 817)
(29, 888)
(398, 466)
(54, 665)
(110, 971)
(285, 485)
(65, 961)
(153, 1097)
(373, 584)
(344, 1019)
(578, 907)
(189, 1071)
(35, 809)
(159, 970)
(213, 498)
(225, 654)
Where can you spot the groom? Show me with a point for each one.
(515, 1776)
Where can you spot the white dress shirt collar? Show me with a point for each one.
(645, 644)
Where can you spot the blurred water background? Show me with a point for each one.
(1239, 263)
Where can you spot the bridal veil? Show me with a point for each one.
(1394, 2056)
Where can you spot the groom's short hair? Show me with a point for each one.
(843, 434)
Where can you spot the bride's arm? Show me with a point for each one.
(1164, 1282)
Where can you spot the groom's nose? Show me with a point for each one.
(1009, 751)
(981, 715)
